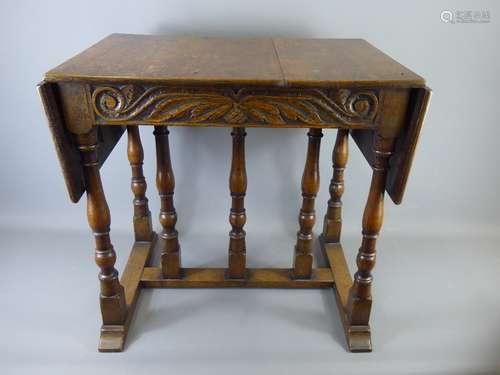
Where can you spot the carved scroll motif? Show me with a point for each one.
(156, 105)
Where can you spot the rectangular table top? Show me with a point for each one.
(249, 82)
(281, 62)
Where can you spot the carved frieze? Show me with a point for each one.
(280, 106)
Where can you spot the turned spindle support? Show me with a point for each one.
(303, 259)
(332, 225)
(165, 182)
(360, 297)
(112, 298)
(237, 215)
(142, 216)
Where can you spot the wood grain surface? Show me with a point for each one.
(255, 61)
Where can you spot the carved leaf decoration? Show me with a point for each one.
(212, 114)
(131, 92)
(166, 113)
(309, 113)
(294, 109)
(259, 106)
(341, 96)
(266, 117)
(235, 116)
(351, 107)
(262, 111)
(196, 108)
(167, 102)
(290, 112)
(200, 109)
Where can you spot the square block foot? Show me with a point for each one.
(112, 339)
(359, 339)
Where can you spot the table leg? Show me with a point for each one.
(332, 225)
(303, 259)
(113, 305)
(237, 215)
(142, 216)
(165, 182)
(360, 298)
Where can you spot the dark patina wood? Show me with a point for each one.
(255, 278)
(237, 216)
(66, 149)
(303, 259)
(318, 84)
(332, 225)
(360, 299)
(112, 298)
(165, 182)
(142, 216)
(259, 61)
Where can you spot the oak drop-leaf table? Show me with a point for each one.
(129, 80)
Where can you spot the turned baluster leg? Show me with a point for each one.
(237, 216)
(332, 225)
(360, 298)
(112, 298)
(142, 216)
(302, 264)
(169, 243)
